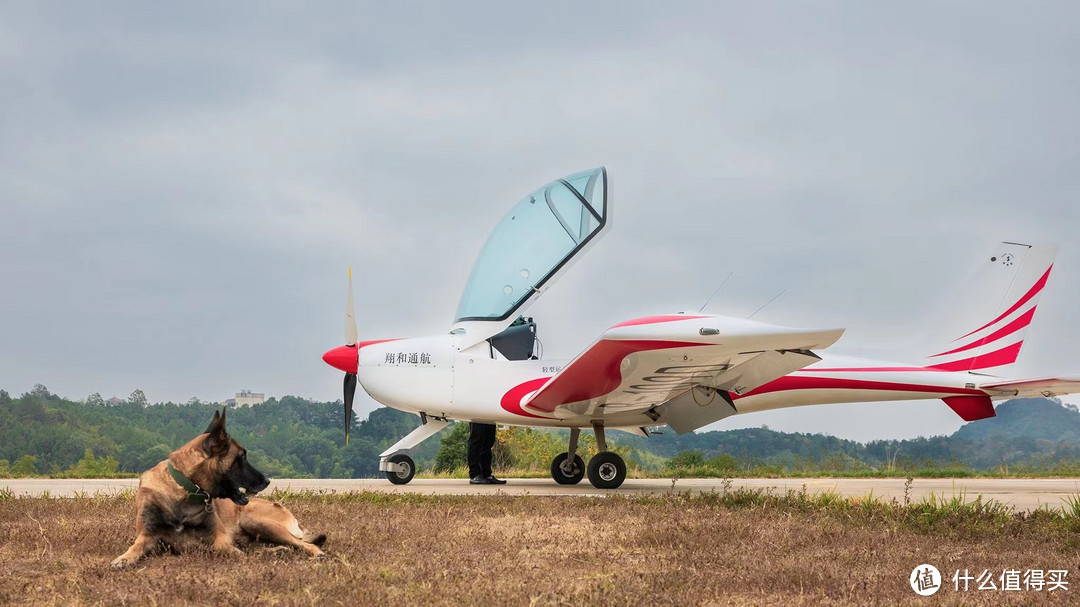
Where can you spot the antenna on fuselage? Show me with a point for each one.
(766, 304)
(700, 310)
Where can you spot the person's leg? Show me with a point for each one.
(485, 449)
(472, 452)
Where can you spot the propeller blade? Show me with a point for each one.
(350, 316)
(350, 392)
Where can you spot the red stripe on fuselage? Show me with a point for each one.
(795, 382)
(511, 401)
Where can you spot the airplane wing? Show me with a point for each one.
(655, 362)
(1033, 388)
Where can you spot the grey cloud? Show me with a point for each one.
(183, 188)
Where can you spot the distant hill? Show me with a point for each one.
(1035, 418)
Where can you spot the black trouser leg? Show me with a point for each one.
(478, 450)
(472, 450)
(488, 441)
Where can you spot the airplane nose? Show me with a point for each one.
(345, 358)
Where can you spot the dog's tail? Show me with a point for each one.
(314, 538)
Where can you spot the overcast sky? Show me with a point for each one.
(183, 188)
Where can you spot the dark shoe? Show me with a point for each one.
(480, 480)
(491, 480)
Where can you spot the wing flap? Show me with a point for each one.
(698, 407)
(762, 369)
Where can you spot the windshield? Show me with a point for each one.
(540, 234)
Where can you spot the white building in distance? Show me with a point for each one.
(246, 398)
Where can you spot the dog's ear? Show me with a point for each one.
(214, 423)
(217, 440)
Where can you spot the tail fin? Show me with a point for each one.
(1005, 293)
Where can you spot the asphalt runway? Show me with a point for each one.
(1023, 494)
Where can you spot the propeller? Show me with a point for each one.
(350, 341)
(350, 317)
(350, 391)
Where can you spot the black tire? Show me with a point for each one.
(607, 470)
(397, 477)
(560, 475)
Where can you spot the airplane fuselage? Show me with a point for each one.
(429, 375)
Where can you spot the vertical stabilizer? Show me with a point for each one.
(989, 331)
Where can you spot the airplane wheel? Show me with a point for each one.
(400, 478)
(607, 470)
(561, 476)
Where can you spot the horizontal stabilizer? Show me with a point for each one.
(1033, 388)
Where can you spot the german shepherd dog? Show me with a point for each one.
(198, 492)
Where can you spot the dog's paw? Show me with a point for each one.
(122, 563)
(228, 550)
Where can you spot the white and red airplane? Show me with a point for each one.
(684, 370)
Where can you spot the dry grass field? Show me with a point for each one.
(736, 548)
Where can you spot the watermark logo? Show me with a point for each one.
(1012, 580)
(925, 580)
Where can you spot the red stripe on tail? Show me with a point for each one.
(997, 358)
(1007, 330)
(1035, 289)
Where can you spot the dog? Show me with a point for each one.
(204, 490)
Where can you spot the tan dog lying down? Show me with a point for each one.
(197, 492)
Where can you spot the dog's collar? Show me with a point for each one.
(196, 494)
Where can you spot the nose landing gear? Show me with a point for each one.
(401, 469)
(395, 461)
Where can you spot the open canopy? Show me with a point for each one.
(533, 241)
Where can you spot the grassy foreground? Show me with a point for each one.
(733, 547)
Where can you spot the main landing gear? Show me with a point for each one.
(606, 469)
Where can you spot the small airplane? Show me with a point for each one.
(684, 370)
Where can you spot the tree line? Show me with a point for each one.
(292, 437)
(289, 437)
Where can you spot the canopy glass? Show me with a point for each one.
(532, 242)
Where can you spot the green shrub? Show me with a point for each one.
(686, 460)
(25, 466)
